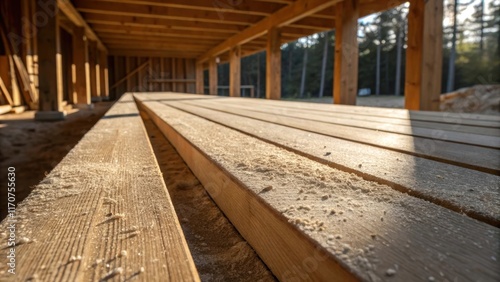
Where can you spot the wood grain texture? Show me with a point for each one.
(424, 55)
(235, 72)
(345, 86)
(444, 134)
(426, 179)
(104, 204)
(479, 158)
(212, 77)
(371, 230)
(273, 64)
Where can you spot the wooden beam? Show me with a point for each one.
(5, 92)
(424, 55)
(199, 79)
(121, 20)
(73, 15)
(235, 72)
(81, 70)
(289, 14)
(222, 8)
(345, 83)
(273, 65)
(147, 11)
(50, 68)
(153, 53)
(212, 76)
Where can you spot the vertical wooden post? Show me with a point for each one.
(212, 76)
(16, 92)
(104, 74)
(150, 74)
(28, 33)
(273, 64)
(127, 71)
(200, 84)
(98, 73)
(173, 74)
(345, 85)
(50, 66)
(81, 71)
(235, 72)
(92, 69)
(424, 55)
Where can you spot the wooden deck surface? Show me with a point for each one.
(102, 214)
(324, 191)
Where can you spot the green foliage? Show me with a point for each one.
(473, 65)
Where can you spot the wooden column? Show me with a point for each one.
(273, 65)
(212, 76)
(92, 69)
(81, 71)
(345, 85)
(29, 31)
(199, 79)
(424, 55)
(235, 72)
(50, 66)
(104, 74)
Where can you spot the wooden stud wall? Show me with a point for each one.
(161, 74)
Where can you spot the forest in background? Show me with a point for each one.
(471, 54)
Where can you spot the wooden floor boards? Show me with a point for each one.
(319, 206)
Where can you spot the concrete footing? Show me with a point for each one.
(50, 115)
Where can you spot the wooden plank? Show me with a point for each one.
(479, 158)
(289, 14)
(461, 122)
(273, 65)
(5, 109)
(5, 91)
(235, 72)
(345, 85)
(17, 72)
(199, 79)
(349, 120)
(424, 55)
(212, 77)
(408, 174)
(367, 233)
(86, 221)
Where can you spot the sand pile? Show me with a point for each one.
(481, 99)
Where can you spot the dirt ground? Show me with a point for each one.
(219, 252)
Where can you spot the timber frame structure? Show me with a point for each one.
(60, 52)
